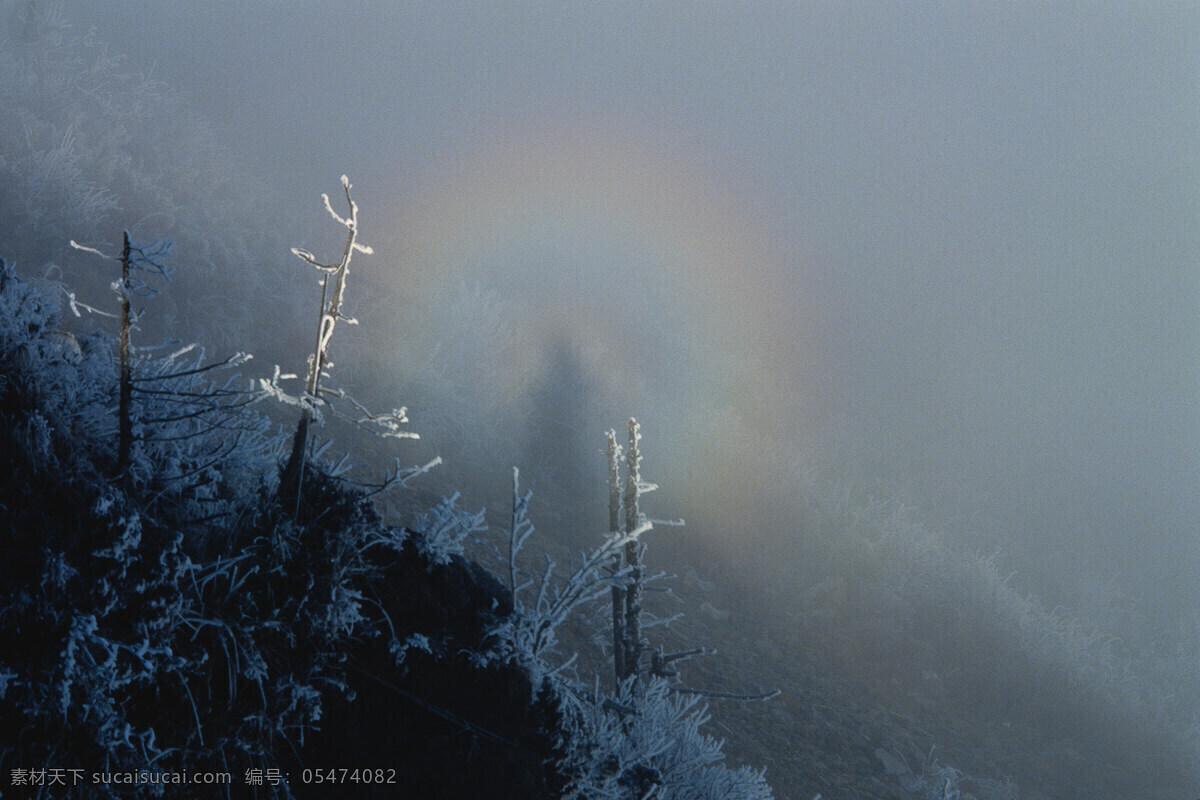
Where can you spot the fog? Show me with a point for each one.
(944, 256)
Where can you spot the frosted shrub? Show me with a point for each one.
(644, 739)
(442, 530)
(644, 742)
(94, 587)
(167, 616)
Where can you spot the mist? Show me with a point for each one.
(939, 262)
(975, 227)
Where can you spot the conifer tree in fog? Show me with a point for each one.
(169, 399)
(133, 258)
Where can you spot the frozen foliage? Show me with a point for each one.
(904, 595)
(1062, 653)
(527, 636)
(938, 781)
(646, 742)
(643, 740)
(173, 614)
(415, 641)
(167, 615)
(441, 531)
(93, 582)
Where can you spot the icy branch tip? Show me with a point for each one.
(93, 250)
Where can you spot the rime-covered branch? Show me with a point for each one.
(333, 293)
(634, 550)
(529, 634)
(185, 406)
(519, 530)
(613, 452)
(398, 476)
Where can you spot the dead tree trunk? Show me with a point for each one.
(614, 526)
(633, 554)
(333, 291)
(292, 480)
(125, 400)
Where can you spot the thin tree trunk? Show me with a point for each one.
(124, 419)
(633, 554)
(614, 525)
(292, 481)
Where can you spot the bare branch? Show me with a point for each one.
(94, 251)
(235, 360)
(727, 695)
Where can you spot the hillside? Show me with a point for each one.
(315, 635)
(303, 636)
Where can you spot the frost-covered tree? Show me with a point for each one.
(133, 258)
(315, 395)
(165, 616)
(631, 647)
(167, 395)
(642, 740)
(613, 453)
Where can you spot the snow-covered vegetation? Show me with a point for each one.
(174, 611)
